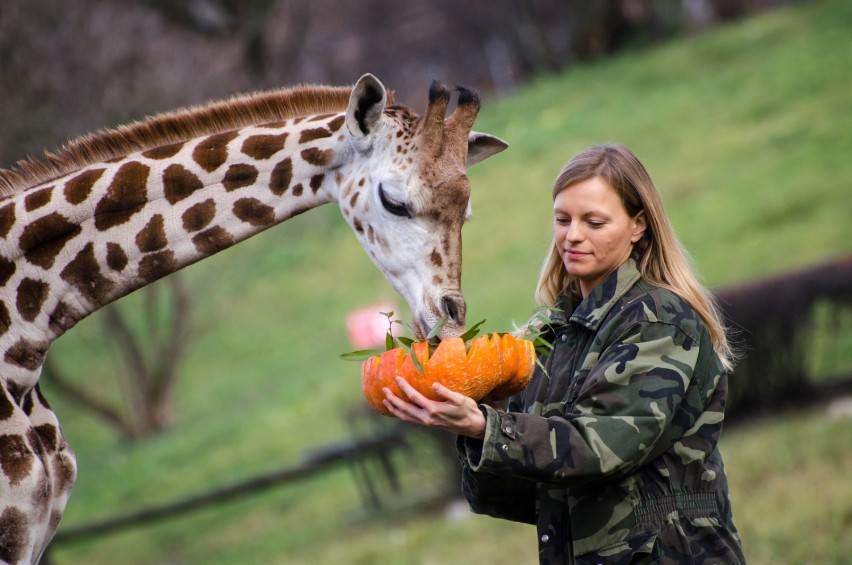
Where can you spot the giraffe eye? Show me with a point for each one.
(392, 206)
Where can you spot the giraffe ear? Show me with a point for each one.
(366, 103)
(481, 146)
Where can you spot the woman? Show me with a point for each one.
(612, 448)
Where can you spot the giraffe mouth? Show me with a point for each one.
(422, 329)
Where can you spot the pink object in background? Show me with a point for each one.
(367, 327)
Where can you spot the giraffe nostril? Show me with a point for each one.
(454, 308)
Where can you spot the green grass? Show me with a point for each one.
(747, 133)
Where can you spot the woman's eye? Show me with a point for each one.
(392, 206)
(562, 221)
(596, 225)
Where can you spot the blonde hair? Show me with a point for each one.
(661, 259)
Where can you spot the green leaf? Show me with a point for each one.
(439, 325)
(417, 364)
(472, 331)
(405, 341)
(404, 325)
(389, 341)
(360, 355)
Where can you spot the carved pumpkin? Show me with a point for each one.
(498, 364)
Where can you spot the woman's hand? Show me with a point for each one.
(456, 413)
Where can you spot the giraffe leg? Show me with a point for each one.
(38, 470)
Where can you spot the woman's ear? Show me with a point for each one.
(640, 224)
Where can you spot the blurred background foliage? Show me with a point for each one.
(739, 109)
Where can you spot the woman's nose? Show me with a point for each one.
(573, 232)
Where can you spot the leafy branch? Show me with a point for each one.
(534, 330)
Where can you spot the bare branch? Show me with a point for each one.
(59, 381)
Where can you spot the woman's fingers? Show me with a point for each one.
(452, 411)
(448, 394)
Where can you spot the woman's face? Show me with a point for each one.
(593, 232)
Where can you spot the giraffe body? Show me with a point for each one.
(120, 210)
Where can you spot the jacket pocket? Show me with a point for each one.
(638, 550)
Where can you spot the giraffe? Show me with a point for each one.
(117, 210)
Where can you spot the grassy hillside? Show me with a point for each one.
(747, 132)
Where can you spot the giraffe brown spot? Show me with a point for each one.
(42, 497)
(48, 435)
(84, 274)
(7, 269)
(6, 406)
(16, 458)
(199, 215)
(446, 242)
(212, 153)
(282, 174)
(126, 195)
(62, 318)
(437, 280)
(371, 234)
(31, 297)
(153, 236)
(263, 146)
(309, 135)
(14, 535)
(16, 391)
(317, 157)
(212, 240)
(354, 199)
(55, 518)
(299, 119)
(35, 443)
(297, 190)
(26, 354)
(7, 218)
(336, 123)
(5, 318)
(316, 182)
(239, 176)
(356, 223)
(320, 117)
(275, 125)
(163, 152)
(254, 212)
(179, 182)
(37, 393)
(435, 257)
(79, 188)
(64, 473)
(155, 266)
(43, 239)
(37, 199)
(116, 257)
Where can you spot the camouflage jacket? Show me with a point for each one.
(611, 450)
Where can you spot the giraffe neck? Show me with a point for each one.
(72, 245)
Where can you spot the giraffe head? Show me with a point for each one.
(409, 199)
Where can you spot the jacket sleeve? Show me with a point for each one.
(633, 405)
(506, 497)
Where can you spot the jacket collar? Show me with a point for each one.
(592, 310)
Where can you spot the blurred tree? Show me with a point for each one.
(149, 355)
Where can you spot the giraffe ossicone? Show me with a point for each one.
(117, 210)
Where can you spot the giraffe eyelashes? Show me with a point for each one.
(392, 206)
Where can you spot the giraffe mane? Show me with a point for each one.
(174, 127)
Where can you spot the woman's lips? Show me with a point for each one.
(572, 254)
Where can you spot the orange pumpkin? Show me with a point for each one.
(499, 365)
